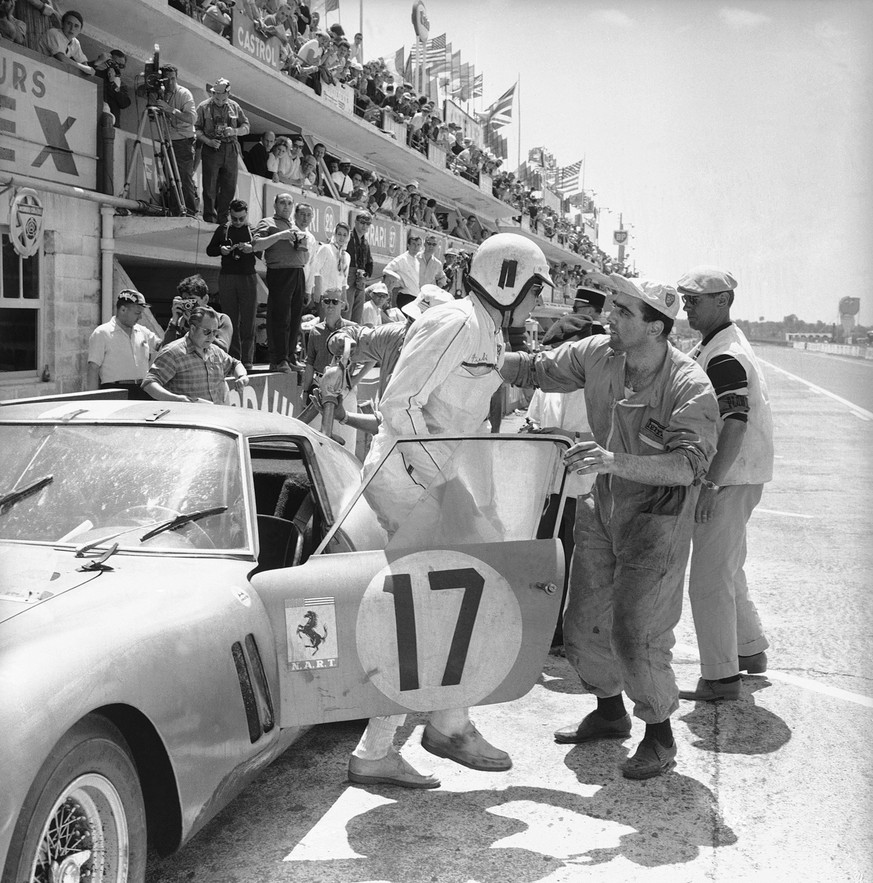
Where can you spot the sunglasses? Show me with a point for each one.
(330, 301)
(692, 300)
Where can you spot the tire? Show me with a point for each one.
(89, 788)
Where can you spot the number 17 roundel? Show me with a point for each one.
(441, 636)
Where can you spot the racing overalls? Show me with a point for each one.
(631, 540)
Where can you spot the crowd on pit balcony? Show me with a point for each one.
(315, 57)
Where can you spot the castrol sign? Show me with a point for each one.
(419, 21)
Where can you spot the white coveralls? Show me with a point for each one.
(632, 540)
(725, 617)
(442, 383)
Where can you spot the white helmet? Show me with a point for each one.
(504, 269)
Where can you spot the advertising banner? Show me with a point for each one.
(276, 393)
(48, 117)
(247, 38)
(340, 96)
(386, 237)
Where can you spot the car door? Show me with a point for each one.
(443, 593)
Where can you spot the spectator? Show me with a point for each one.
(237, 281)
(220, 121)
(582, 323)
(309, 173)
(360, 264)
(410, 213)
(459, 228)
(310, 57)
(256, 158)
(178, 375)
(193, 292)
(38, 18)
(475, 228)
(303, 216)
(357, 50)
(374, 309)
(115, 93)
(431, 267)
(62, 45)
(342, 179)
(286, 252)
(281, 165)
(318, 356)
(391, 203)
(730, 636)
(216, 16)
(654, 429)
(428, 216)
(179, 110)
(120, 350)
(11, 27)
(330, 269)
(403, 273)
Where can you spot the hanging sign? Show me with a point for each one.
(26, 222)
(619, 237)
(419, 21)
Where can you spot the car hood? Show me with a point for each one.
(32, 575)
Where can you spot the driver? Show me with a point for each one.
(443, 383)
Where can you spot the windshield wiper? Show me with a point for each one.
(179, 520)
(9, 499)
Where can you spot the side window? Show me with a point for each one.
(20, 309)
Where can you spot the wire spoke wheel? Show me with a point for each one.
(85, 837)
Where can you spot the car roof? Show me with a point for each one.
(242, 421)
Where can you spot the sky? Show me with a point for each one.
(735, 134)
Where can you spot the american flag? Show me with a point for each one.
(568, 178)
(500, 113)
(436, 50)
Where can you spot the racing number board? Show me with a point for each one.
(426, 630)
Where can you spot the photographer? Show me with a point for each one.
(193, 293)
(114, 91)
(177, 103)
(286, 252)
(237, 281)
(219, 122)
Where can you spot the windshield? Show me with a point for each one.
(120, 482)
(442, 491)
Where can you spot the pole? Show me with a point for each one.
(621, 244)
(518, 98)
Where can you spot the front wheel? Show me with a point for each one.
(84, 817)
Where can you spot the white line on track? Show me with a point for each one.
(760, 511)
(689, 654)
(863, 413)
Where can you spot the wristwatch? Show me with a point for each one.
(709, 485)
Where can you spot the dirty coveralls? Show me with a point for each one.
(631, 540)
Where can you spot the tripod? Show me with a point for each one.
(169, 180)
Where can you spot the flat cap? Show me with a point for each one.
(706, 280)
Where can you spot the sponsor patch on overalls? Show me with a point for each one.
(652, 434)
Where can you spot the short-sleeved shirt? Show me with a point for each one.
(332, 266)
(182, 100)
(282, 254)
(55, 43)
(317, 353)
(407, 268)
(181, 369)
(121, 356)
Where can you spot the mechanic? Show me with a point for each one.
(653, 416)
(120, 350)
(193, 368)
(730, 636)
(443, 382)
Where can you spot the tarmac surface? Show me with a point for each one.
(775, 786)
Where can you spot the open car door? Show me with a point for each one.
(438, 588)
